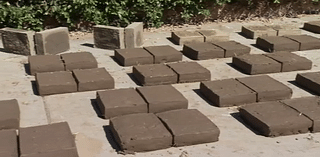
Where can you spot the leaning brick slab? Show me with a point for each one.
(306, 42)
(133, 35)
(45, 63)
(286, 30)
(184, 37)
(9, 114)
(211, 35)
(313, 26)
(254, 32)
(310, 81)
(108, 37)
(52, 41)
(8, 143)
(18, 41)
(277, 44)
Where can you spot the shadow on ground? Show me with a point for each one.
(95, 107)
(110, 137)
(197, 91)
(88, 45)
(301, 87)
(236, 116)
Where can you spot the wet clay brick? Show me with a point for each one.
(190, 72)
(313, 26)
(306, 42)
(267, 88)
(308, 106)
(52, 41)
(47, 140)
(79, 60)
(108, 37)
(211, 35)
(275, 44)
(163, 98)
(189, 127)
(286, 30)
(118, 102)
(164, 54)
(55, 83)
(256, 64)
(45, 63)
(93, 79)
(291, 61)
(254, 32)
(184, 37)
(140, 132)
(310, 81)
(228, 92)
(136, 56)
(274, 119)
(9, 114)
(232, 48)
(8, 143)
(157, 74)
(133, 35)
(202, 51)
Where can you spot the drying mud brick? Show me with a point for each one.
(308, 106)
(45, 63)
(133, 35)
(190, 72)
(313, 26)
(189, 127)
(306, 42)
(118, 102)
(140, 132)
(256, 64)
(47, 140)
(9, 114)
(310, 81)
(156, 74)
(135, 56)
(18, 41)
(52, 41)
(228, 92)
(8, 143)
(254, 32)
(164, 54)
(79, 60)
(93, 79)
(290, 61)
(232, 48)
(277, 43)
(286, 30)
(163, 98)
(108, 37)
(185, 37)
(55, 83)
(211, 35)
(202, 51)
(267, 88)
(274, 119)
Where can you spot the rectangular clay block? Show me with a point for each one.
(256, 64)
(9, 114)
(47, 140)
(93, 79)
(228, 92)
(55, 83)
(136, 56)
(18, 41)
(52, 41)
(108, 37)
(274, 119)
(286, 30)
(45, 63)
(267, 88)
(140, 132)
(233, 48)
(133, 35)
(310, 81)
(189, 127)
(190, 72)
(291, 61)
(79, 60)
(306, 42)
(212, 35)
(185, 37)
(163, 98)
(277, 43)
(157, 74)
(118, 102)
(164, 54)
(313, 26)
(202, 51)
(254, 32)
(8, 143)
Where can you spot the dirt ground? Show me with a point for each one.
(92, 133)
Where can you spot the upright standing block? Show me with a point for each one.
(9, 114)
(202, 51)
(184, 37)
(310, 81)
(211, 35)
(163, 98)
(52, 41)
(286, 30)
(274, 44)
(108, 37)
(140, 132)
(190, 72)
(18, 41)
(233, 48)
(47, 140)
(164, 54)
(306, 42)
(254, 32)
(133, 35)
(79, 60)
(45, 63)
(135, 56)
(313, 26)
(189, 127)
(8, 143)
(119, 102)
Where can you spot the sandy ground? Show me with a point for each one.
(93, 135)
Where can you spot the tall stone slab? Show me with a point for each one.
(133, 35)
(108, 37)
